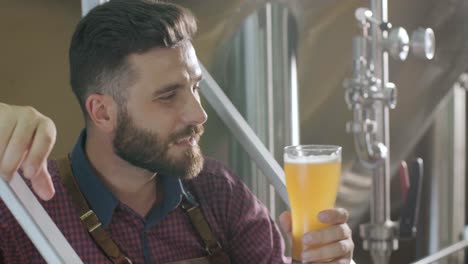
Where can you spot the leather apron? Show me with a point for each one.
(215, 253)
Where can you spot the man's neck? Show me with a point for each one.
(133, 186)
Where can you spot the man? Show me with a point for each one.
(137, 164)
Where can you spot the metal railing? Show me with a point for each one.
(443, 253)
(35, 222)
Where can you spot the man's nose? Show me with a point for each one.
(194, 114)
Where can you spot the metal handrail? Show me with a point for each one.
(443, 253)
(35, 221)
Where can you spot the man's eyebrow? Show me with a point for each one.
(174, 86)
(167, 88)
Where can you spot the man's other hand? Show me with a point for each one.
(26, 139)
(332, 244)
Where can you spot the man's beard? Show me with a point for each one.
(145, 149)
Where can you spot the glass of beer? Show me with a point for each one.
(312, 179)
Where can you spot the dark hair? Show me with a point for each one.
(105, 37)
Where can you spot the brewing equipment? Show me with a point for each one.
(260, 52)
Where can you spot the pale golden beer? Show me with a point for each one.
(312, 179)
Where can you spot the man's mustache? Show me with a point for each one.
(190, 131)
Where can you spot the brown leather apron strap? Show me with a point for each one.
(108, 246)
(212, 246)
(88, 217)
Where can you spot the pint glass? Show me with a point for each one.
(312, 179)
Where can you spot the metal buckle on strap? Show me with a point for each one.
(188, 206)
(190, 209)
(121, 260)
(211, 251)
(89, 224)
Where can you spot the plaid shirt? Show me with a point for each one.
(238, 219)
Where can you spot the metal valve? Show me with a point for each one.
(398, 42)
(411, 185)
(423, 43)
(363, 15)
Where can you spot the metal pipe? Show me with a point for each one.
(366, 96)
(379, 236)
(380, 211)
(443, 253)
(370, 153)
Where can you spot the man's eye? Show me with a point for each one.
(167, 97)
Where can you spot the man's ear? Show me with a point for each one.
(102, 110)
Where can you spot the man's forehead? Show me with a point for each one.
(181, 59)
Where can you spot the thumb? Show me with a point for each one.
(285, 222)
(42, 183)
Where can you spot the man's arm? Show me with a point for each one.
(26, 139)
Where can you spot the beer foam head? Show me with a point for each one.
(312, 159)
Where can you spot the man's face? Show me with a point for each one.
(159, 127)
